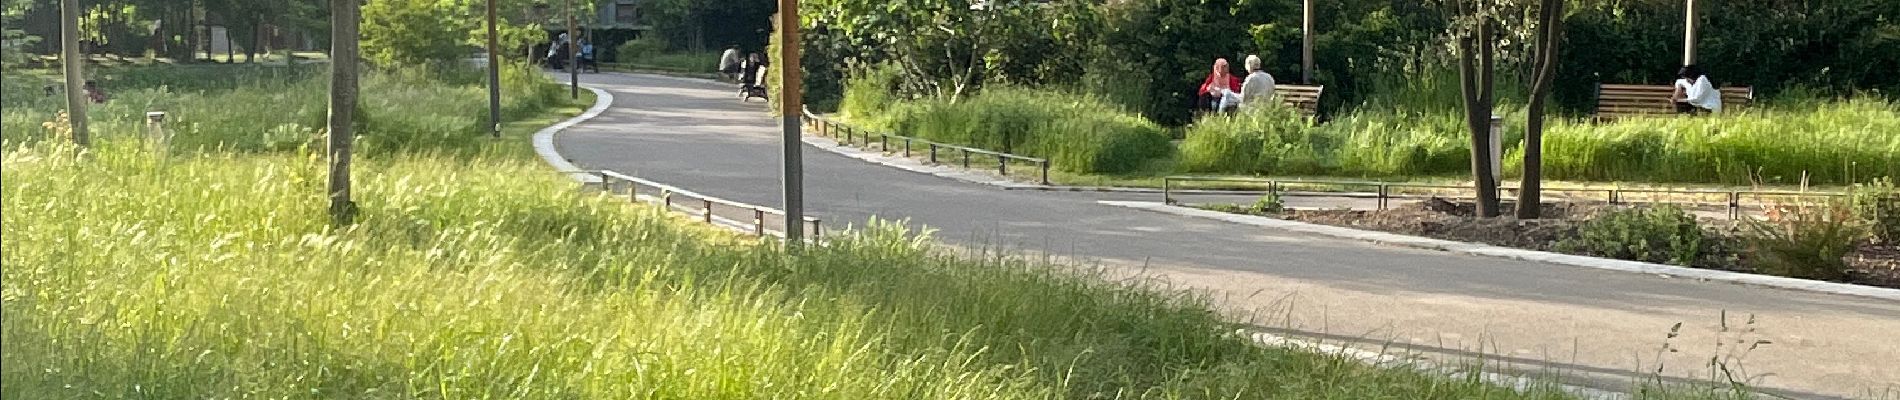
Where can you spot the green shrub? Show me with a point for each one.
(870, 92)
(1237, 142)
(1805, 241)
(1878, 204)
(1077, 133)
(1660, 234)
(638, 50)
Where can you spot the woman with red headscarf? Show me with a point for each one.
(1221, 90)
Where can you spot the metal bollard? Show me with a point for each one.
(633, 194)
(155, 126)
(906, 147)
(883, 143)
(758, 222)
(933, 153)
(1167, 191)
(1045, 172)
(707, 211)
(966, 158)
(1002, 165)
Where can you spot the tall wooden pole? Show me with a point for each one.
(1306, 42)
(573, 55)
(1688, 32)
(791, 111)
(343, 61)
(494, 75)
(75, 76)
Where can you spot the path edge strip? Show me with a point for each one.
(1542, 257)
(544, 138)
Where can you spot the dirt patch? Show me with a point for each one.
(1452, 220)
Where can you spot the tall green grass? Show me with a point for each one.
(1078, 133)
(129, 275)
(1820, 142)
(1835, 143)
(276, 108)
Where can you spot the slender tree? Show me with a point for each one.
(1550, 24)
(494, 74)
(343, 81)
(75, 77)
(1475, 73)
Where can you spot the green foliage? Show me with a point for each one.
(638, 50)
(1269, 204)
(1077, 133)
(871, 92)
(700, 25)
(1805, 241)
(1251, 141)
(1878, 203)
(1661, 234)
(404, 32)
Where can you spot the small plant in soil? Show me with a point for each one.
(1661, 233)
(1269, 204)
(1805, 241)
(1878, 203)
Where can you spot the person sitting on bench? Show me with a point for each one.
(1258, 88)
(1694, 94)
(1221, 89)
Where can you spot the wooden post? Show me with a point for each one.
(1688, 32)
(343, 80)
(790, 108)
(573, 55)
(494, 75)
(75, 76)
(1306, 42)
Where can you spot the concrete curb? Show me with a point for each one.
(544, 138)
(1521, 254)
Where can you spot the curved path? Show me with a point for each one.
(1599, 328)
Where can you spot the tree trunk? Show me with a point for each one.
(257, 41)
(343, 63)
(75, 77)
(1487, 81)
(1549, 36)
(1474, 82)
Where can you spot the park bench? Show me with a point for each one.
(1303, 99)
(1616, 101)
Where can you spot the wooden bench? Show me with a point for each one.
(1623, 101)
(1303, 99)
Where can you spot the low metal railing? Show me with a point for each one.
(851, 136)
(1385, 192)
(711, 210)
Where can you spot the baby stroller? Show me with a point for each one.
(752, 81)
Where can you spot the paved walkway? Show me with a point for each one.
(1605, 329)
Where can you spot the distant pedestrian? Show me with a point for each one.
(94, 93)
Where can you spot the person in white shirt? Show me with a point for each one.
(1694, 94)
(1258, 87)
(729, 62)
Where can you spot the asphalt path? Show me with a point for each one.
(1590, 327)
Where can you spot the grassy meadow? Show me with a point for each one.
(474, 272)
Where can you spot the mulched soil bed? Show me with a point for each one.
(1441, 219)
